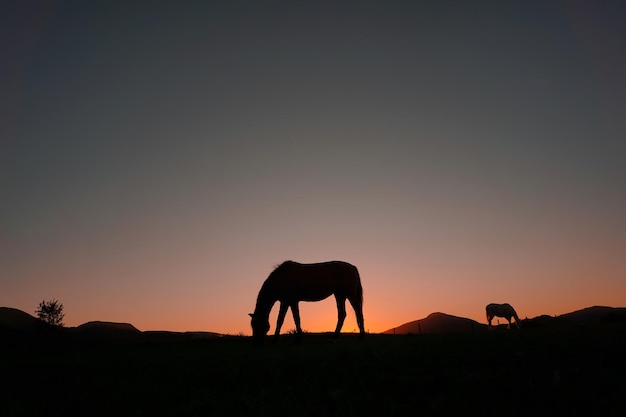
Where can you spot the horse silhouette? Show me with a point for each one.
(502, 310)
(292, 282)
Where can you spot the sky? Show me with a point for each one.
(158, 159)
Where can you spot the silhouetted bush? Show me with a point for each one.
(51, 312)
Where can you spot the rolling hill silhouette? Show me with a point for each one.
(106, 328)
(445, 323)
(17, 323)
(14, 318)
(20, 321)
(438, 323)
(595, 314)
(14, 321)
(589, 315)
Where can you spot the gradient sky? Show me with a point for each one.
(158, 159)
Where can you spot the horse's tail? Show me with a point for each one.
(359, 285)
(489, 311)
(518, 323)
(359, 309)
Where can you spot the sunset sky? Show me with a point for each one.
(159, 158)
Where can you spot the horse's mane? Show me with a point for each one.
(281, 267)
(278, 269)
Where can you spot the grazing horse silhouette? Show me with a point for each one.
(502, 310)
(292, 282)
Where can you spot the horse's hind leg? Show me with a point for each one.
(341, 314)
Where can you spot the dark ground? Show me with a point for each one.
(576, 370)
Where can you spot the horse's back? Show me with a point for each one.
(492, 307)
(498, 309)
(328, 269)
(317, 281)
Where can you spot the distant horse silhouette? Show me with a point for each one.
(502, 310)
(292, 282)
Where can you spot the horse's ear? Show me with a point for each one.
(251, 314)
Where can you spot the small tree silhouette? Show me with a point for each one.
(51, 312)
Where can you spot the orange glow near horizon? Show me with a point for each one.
(155, 291)
(175, 309)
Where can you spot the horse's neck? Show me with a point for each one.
(264, 309)
(264, 303)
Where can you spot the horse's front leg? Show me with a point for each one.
(341, 314)
(295, 310)
(281, 318)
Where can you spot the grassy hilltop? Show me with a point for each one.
(575, 370)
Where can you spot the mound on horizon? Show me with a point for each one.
(17, 321)
(18, 325)
(595, 314)
(14, 318)
(438, 323)
(445, 323)
(585, 316)
(106, 328)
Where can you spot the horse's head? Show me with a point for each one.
(260, 327)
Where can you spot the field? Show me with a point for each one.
(536, 371)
